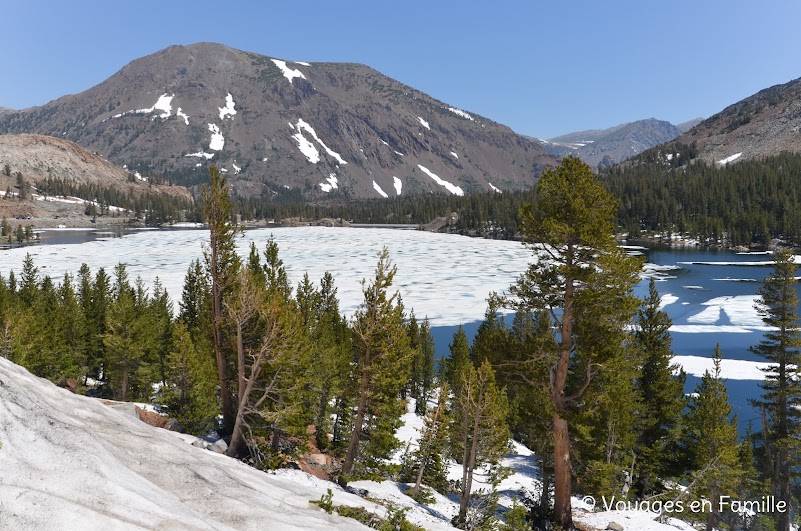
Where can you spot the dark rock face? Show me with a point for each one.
(328, 129)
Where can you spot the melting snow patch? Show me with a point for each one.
(332, 183)
(289, 73)
(382, 141)
(200, 154)
(303, 126)
(455, 190)
(217, 139)
(459, 112)
(302, 63)
(454, 155)
(425, 124)
(379, 190)
(237, 169)
(731, 158)
(399, 153)
(228, 110)
(398, 184)
(494, 188)
(180, 114)
(164, 104)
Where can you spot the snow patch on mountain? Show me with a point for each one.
(378, 189)
(217, 139)
(180, 114)
(331, 185)
(164, 104)
(424, 123)
(398, 184)
(730, 158)
(494, 189)
(228, 110)
(452, 188)
(289, 73)
(306, 145)
(304, 63)
(459, 112)
(200, 154)
(453, 153)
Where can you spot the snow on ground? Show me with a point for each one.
(638, 520)
(69, 462)
(237, 169)
(398, 153)
(424, 123)
(459, 112)
(453, 153)
(302, 63)
(452, 188)
(398, 184)
(331, 185)
(180, 114)
(729, 369)
(498, 190)
(217, 139)
(730, 158)
(307, 148)
(228, 110)
(378, 189)
(289, 73)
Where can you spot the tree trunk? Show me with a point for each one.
(125, 383)
(467, 476)
(562, 510)
(229, 414)
(353, 446)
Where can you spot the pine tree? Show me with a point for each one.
(222, 264)
(459, 359)
(781, 399)
(479, 436)
(583, 280)
(192, 383)
(712, 442)
(661, 388)
(383, 358)
(430, 457)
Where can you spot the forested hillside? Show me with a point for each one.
(738, 203)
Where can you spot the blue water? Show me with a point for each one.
(694, 284)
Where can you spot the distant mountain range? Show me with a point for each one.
(604, 147)
(330, 130)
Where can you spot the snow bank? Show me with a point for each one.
(69, 462)
(378, 189)
(289, 73)
(452, 188)
(398, 184)
(729, 369)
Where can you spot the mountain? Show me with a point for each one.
(602, 147)
(37, 158)
(4, 110)
(328, 129)
(689, 124)
(767, 123)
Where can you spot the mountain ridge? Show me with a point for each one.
(328, 129)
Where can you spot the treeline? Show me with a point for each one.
(582, 374)
(740, 203)
(153, 208)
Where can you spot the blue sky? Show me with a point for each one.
(542, 68)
